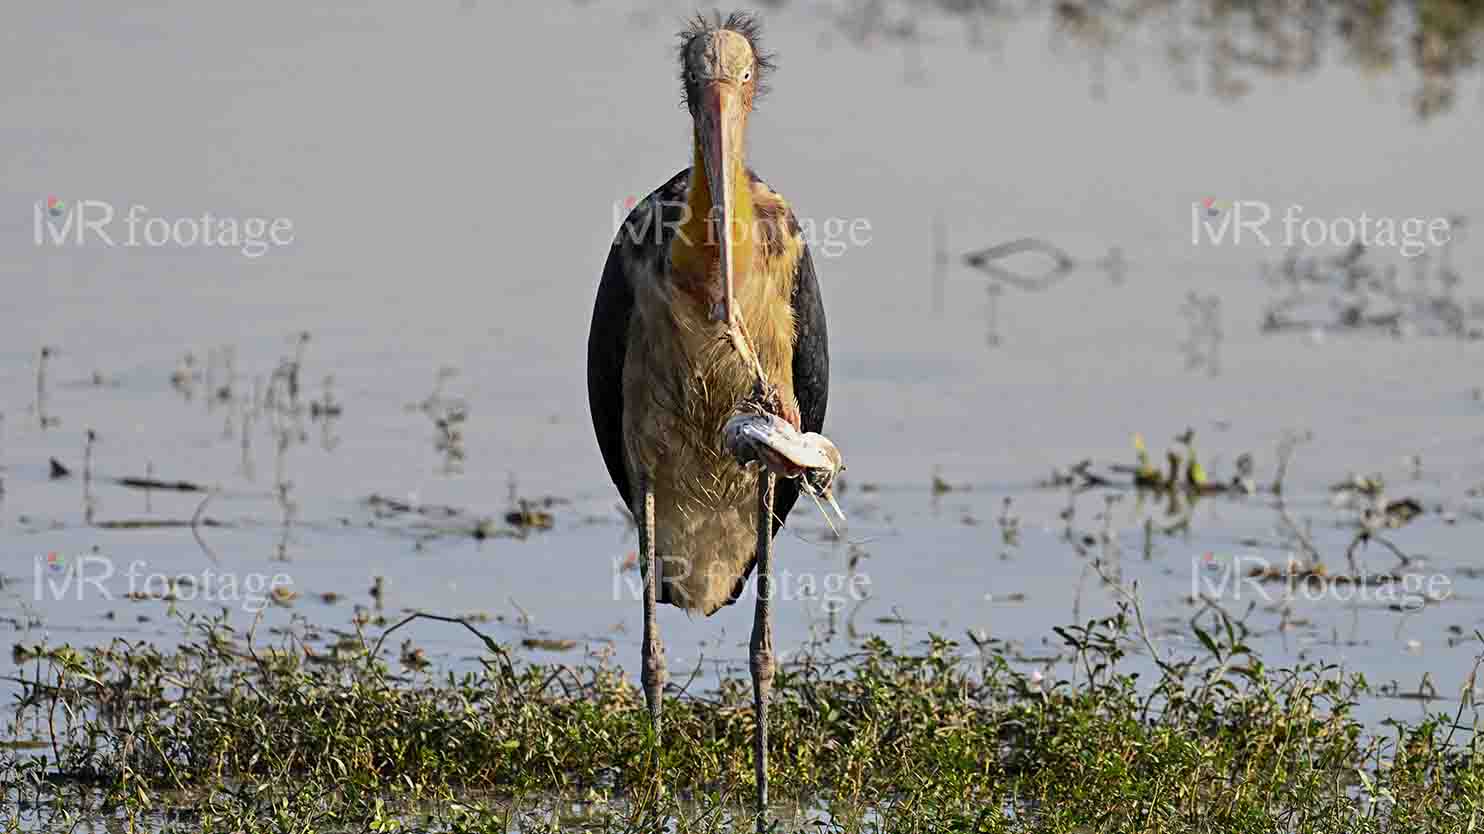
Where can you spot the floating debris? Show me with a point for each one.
(155, 483)
(547, 644)
(157, 523)
(529, 517)
(1400, 511)
(383, 506)
(1183, 473)
(1079, 476)
(413, 657)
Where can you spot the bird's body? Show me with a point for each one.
(657, 354)
(707, 358)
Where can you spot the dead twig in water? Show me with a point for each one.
(153, 483)
(158, 523)
(42, 417)
(1305, 543)
(196, 529)
(89, 505)
(1062, 263)
(508, 668)
(1287, 446)
(525, 616)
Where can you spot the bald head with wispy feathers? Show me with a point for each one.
(714, 48)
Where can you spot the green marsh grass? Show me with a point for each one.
(224, 735)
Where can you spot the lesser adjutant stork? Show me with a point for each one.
(708, 367)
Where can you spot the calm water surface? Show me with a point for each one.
(451, 174)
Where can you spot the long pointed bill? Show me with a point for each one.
(720, 131)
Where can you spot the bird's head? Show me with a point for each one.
(723, 72)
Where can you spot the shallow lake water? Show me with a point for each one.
(451, 173)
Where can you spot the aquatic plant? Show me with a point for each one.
(227, 734)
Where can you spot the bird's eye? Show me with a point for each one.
(747, 76)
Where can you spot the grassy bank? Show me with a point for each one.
(230, 734)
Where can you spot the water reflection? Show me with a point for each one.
(1219, 46)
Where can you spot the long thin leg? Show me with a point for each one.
(653, 673)
(762, 637)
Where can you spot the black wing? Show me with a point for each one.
(641, 243)
(606, 342)
(811, 370)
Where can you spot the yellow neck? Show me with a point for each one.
(695, 252)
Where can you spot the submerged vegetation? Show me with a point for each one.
(325, 729)
(1103, 727)
(227, 734)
